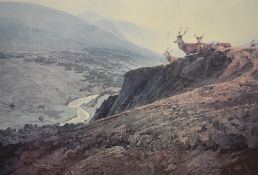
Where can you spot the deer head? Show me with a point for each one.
(169, 57)
(253, 43)
(180, 36)
(167, 52)
(199, 38)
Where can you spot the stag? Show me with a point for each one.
(199, 38)
(188, 48)
(169, 57)
(204, 46)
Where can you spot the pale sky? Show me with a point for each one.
(235, 21)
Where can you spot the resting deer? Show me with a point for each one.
(169, 57)
(188, 48)
(225, 45)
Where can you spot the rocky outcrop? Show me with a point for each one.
(206, 129)
(146, 85)
(104, 108)
(29, 132)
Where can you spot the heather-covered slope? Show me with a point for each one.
(209, 129)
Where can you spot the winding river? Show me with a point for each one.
(81, 114)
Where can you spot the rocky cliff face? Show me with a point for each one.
(207, 124)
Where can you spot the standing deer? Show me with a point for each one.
(199, 38)
(204, 46)
(188, 48)
(169, 57)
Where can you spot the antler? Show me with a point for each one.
(179, 33)
(185, 31)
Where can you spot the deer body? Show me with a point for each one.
(204, 46)
(188, 48)
(171, 59)
(208, 46)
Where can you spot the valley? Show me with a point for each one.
(43, 68)
(43, 84)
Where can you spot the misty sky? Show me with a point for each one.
(235, 21)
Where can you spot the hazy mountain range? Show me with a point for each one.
(126, 30)
(25, 26)
(103, 23)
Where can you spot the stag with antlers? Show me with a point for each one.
(199, 38)
(188, 48)
(204, 46)
(169, 57)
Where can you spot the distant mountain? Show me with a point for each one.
(90, 17)
(143, 36)
(131, 30)
(102, 23)
(25, 26)
(126, 30)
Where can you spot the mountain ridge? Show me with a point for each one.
(26, 26)
(126, 30)
(145, 85)
(102, 23)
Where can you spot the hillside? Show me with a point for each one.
(199, 117)
(42, 84)
(146, 85)
(28, 27)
